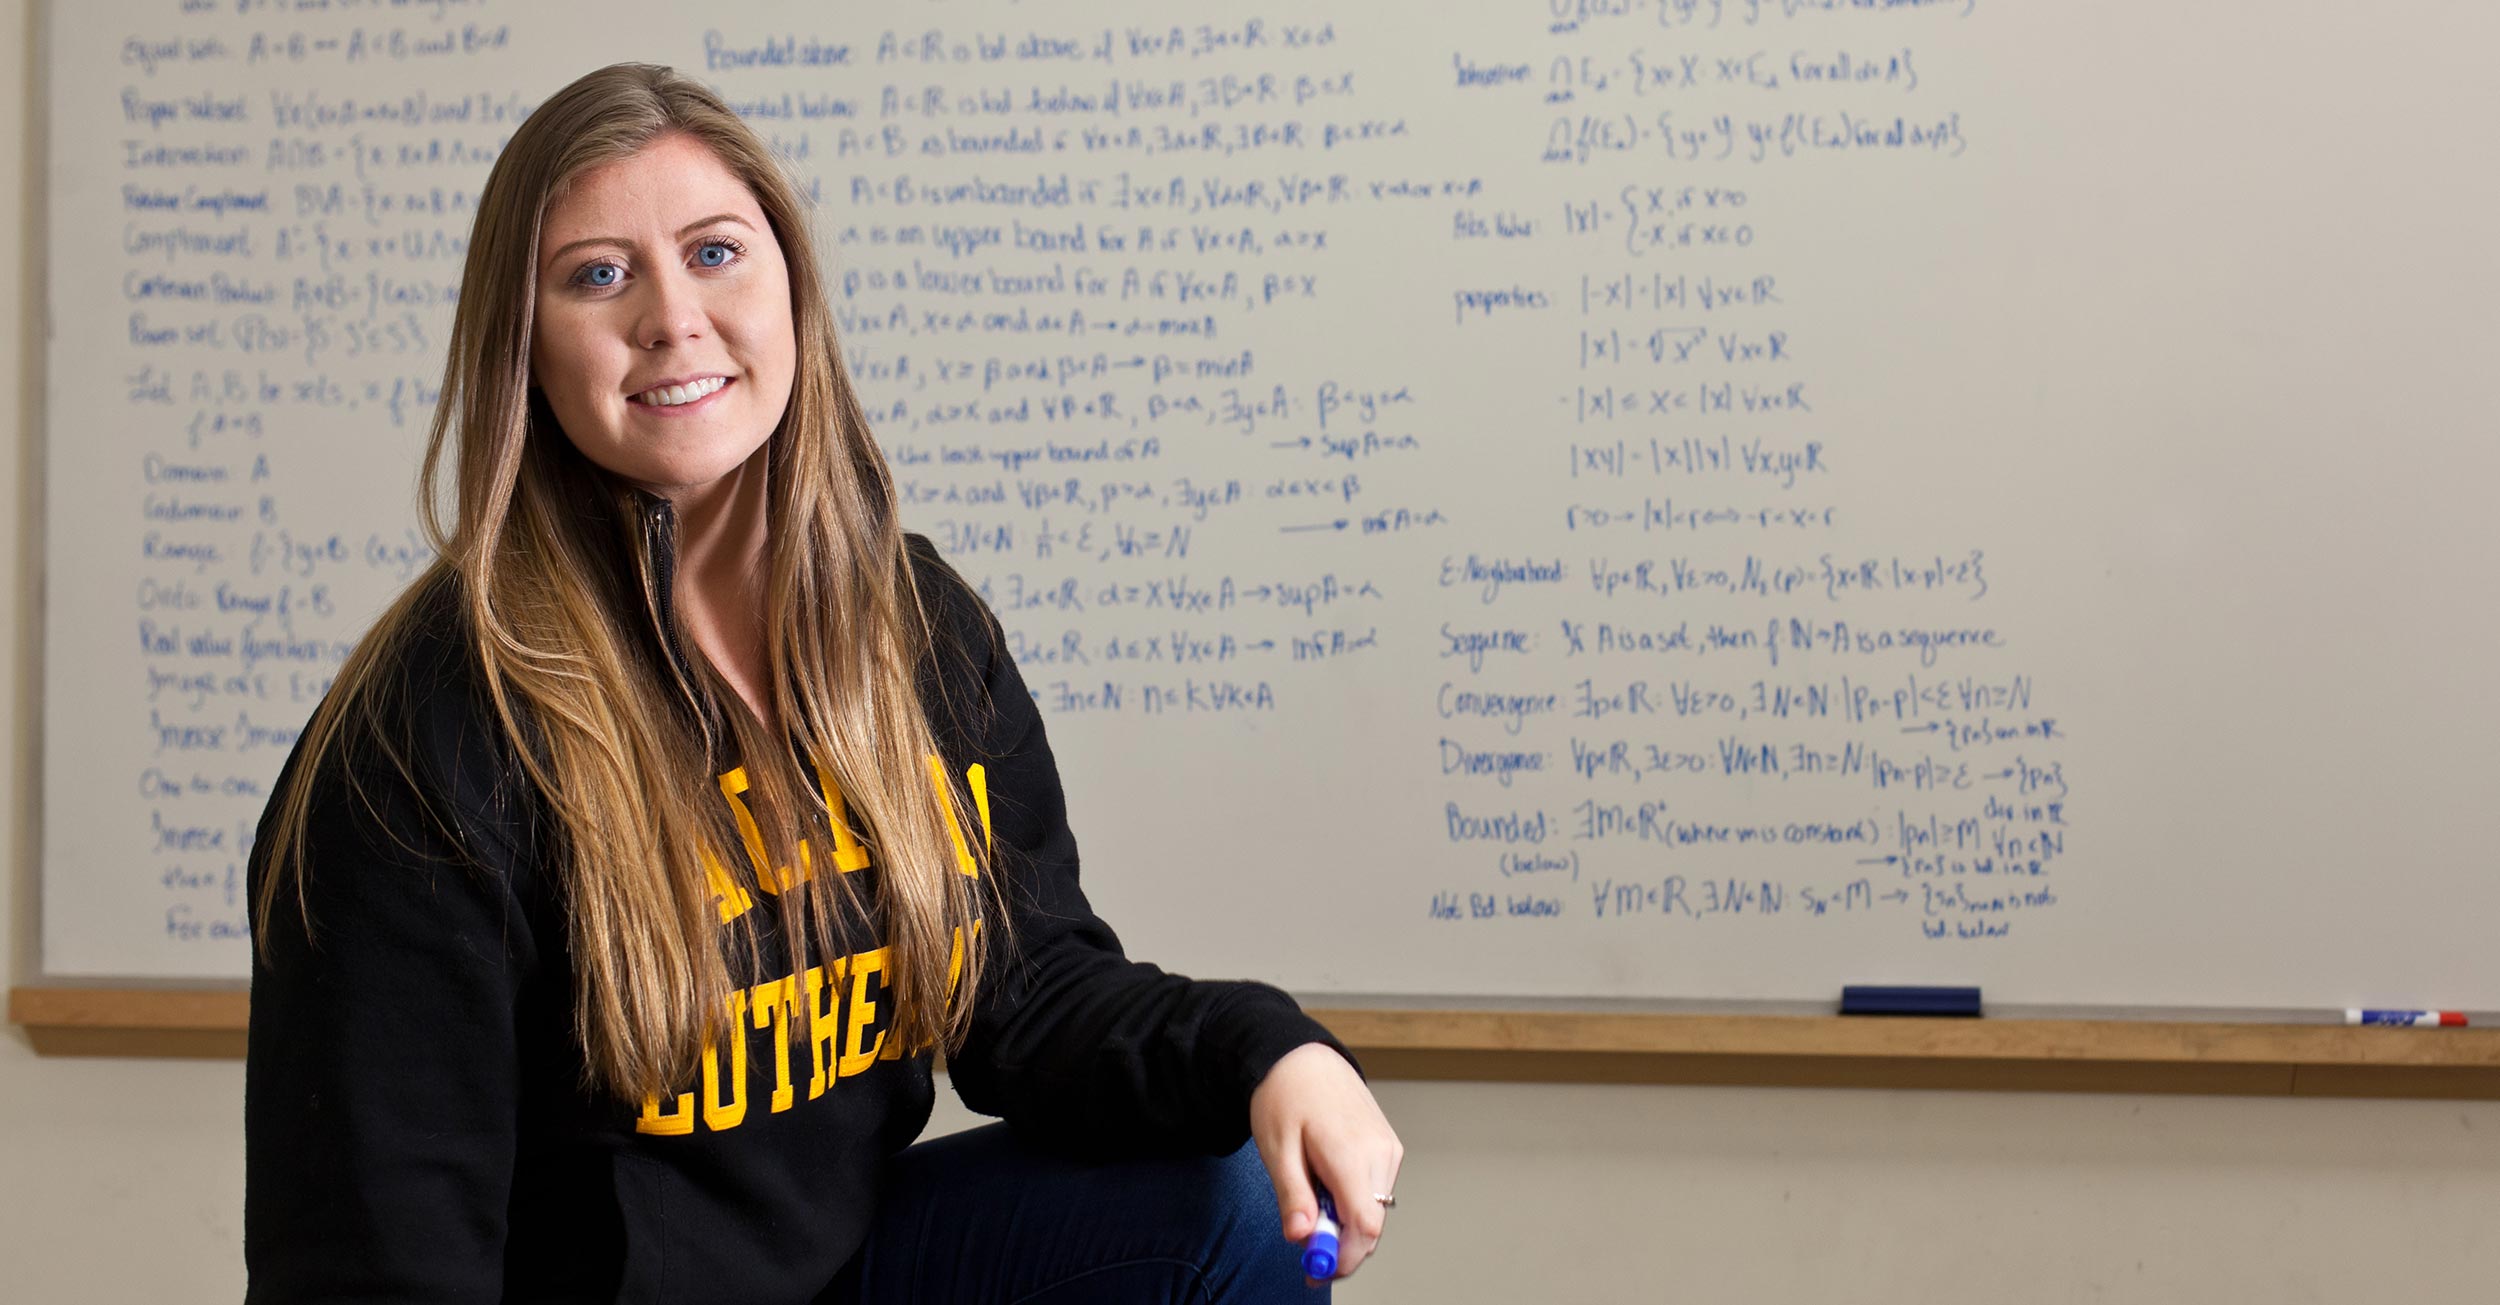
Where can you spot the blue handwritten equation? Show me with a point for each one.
(1173, 334)
(1485, 376)
(289, 236)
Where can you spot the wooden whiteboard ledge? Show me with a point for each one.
(189, 1023)
(1997, 1054)
(1553, 1046)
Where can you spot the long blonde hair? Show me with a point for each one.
(620, 748)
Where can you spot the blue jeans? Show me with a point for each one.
(980, 1218)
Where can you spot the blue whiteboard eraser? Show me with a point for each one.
(1868, 999)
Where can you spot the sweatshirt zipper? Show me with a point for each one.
(659, 541)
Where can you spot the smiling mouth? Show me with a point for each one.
(678, 396)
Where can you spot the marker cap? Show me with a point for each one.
(1319, 1254)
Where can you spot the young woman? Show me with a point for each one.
(615, 902)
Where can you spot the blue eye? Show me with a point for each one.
(598, 276)
(722, 245)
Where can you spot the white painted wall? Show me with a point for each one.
(123, 1180)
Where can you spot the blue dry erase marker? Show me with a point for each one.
(2419, 1019)
(1319, 1254)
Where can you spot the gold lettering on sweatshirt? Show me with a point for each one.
(858, 1053)
(848, 855)
(774, 1004)
(955, 958)
(719, 1115)
(781, 878)
(732, 900)
(847, 1021)
(676, 1123)
(824, 1020)
(847, 1031)
(976, 779)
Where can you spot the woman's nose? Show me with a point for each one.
(672, 310)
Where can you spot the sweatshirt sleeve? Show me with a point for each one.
(380, 1078)
(1071, 1041)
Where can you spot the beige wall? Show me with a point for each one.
(122, 1180)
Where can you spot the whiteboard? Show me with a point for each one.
(1588, 499)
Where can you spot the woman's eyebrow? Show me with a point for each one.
(682, 232)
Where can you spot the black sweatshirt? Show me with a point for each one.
(416, 1128)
